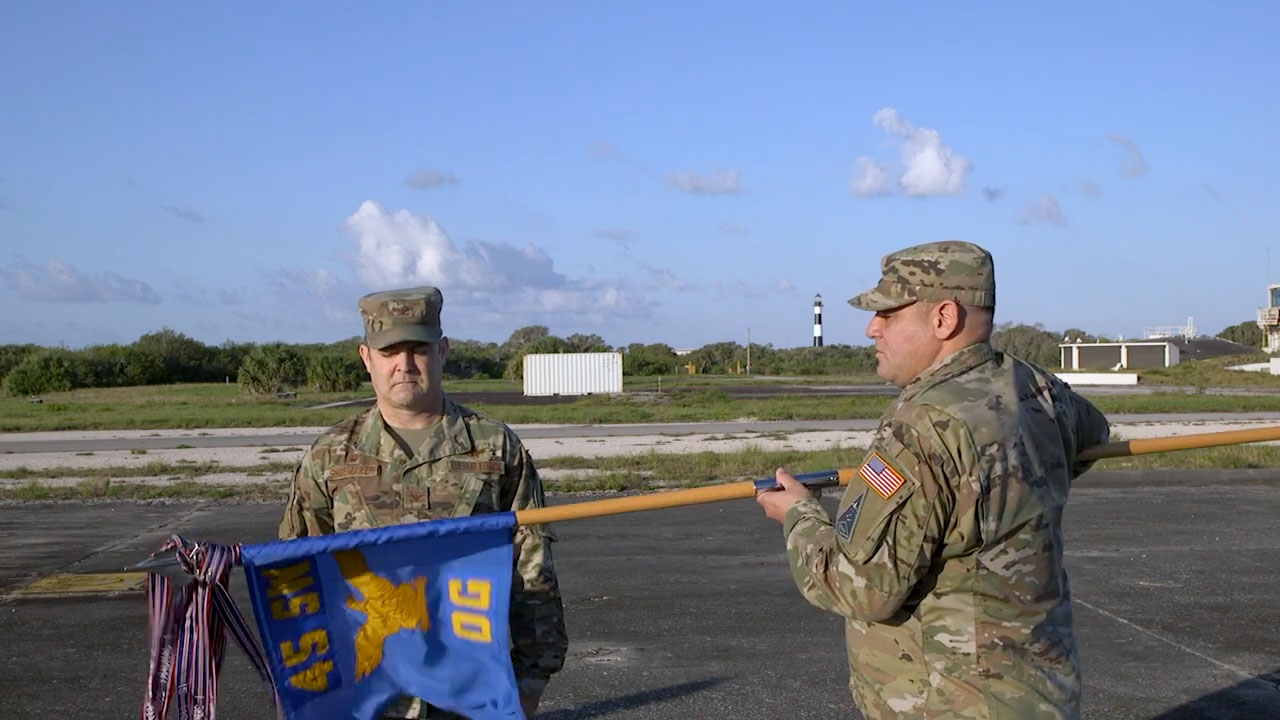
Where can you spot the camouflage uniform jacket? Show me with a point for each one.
(356, 475)
(945, 557)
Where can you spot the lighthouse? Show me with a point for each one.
(817, 320)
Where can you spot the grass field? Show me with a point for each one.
(217, 405)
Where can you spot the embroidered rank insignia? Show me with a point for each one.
(476, 465)
(848, 519)
(346, 471)
(880, 475)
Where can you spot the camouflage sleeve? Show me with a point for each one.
(538, 637)
(309, 510)
(1091, 427)
(891, 520)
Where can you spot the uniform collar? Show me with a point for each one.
(449, 436)
(953, 365)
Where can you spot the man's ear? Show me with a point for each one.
(443, 345)
(364, 356)
(947, 320)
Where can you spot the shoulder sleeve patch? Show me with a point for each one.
(848, 519)
(880, 475)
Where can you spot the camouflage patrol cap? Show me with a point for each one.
(949, 270)
(395, 316)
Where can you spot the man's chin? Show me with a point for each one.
(407, 398)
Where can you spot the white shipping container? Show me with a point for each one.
(572, 373)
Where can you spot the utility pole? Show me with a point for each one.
(748, 349)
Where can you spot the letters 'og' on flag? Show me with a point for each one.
(353, 620)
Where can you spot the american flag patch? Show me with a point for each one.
(880, 476)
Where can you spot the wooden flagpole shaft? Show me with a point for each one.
(746, 489)
(1180, 442)
(655, 501)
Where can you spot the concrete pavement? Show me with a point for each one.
(690, 613)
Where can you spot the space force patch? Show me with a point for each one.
(848, 519)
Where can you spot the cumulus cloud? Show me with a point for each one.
(729, 228)
(929, 166)
(401, 249)
(184, 213)
(56, 281)
(727, 182)
(1134, 164)
(870, 178)
(427, 178)
(992, 194)
(1043, 210)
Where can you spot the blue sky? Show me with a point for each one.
(650, 172)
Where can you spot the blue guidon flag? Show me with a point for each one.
(353, 620)
(348, 622)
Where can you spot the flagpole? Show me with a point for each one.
(748, 488)
(824, 478)
(1180, 442)
(661, 500)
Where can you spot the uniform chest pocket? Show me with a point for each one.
(362, 501)
(451, 494)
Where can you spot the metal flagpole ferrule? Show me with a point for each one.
(819, 479)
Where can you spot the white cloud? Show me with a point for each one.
(728, 182)
(930, 167)
(404, 249)
(784, 284)
(427, 178)
(1044, 210)
(56, 281)
(870, 178)
(1134, 163)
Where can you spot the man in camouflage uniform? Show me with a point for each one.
(945, 556)
(417, 455)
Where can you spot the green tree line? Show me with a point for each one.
(168, 356)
